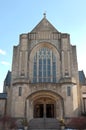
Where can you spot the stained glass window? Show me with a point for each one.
(44, 66)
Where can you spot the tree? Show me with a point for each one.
(7, 122)
(77, 123)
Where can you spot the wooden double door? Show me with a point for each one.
(44, 110)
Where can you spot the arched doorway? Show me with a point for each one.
(44, 107)
(44, 104)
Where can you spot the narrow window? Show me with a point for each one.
(68, 91)
(20, 91)
(84, 104)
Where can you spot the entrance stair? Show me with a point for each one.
(44, 124)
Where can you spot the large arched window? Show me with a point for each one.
(44, 66)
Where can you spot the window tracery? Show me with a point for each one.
(44, 66)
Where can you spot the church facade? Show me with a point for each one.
(44, 77)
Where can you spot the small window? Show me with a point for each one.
(68, 91)
(20, 91)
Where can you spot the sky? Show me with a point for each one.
(21, 16)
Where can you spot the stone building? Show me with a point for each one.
(44, 81)
(82, 80)
(3, 103)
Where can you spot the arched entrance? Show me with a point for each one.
(44, 104)
(44, 107)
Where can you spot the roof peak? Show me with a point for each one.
(44, 25)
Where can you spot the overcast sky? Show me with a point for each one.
(21, 16)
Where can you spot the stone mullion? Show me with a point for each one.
(46, 69)
(37, 66)
(51, 60)
(42, 68)
(31, 69)
(46, 65)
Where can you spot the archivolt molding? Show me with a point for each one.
(34, 43)
(44, 93)
(44, 44)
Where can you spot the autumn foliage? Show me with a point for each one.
(7, 122)
(77, 123)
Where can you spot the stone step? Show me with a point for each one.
(44, 123)
(44, 129)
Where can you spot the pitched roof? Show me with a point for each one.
(7, 79)
(44, 25)
(82, 79)
(3, 95)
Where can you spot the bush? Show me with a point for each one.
(25, 122)
(7, 122)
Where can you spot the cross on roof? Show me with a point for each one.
(44, 14)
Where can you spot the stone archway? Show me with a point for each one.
(44, 107)
(44, 104)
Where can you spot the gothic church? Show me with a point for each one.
(44, 81)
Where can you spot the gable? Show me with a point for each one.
(45, 26)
